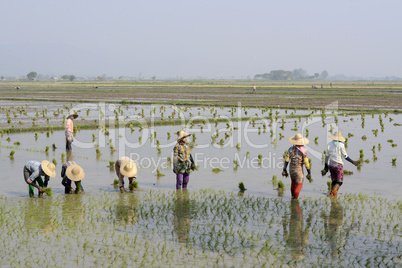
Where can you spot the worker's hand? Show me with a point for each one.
(325, 170)
(29, 181)
(285, 173)
(356, 163)
(309, 175)
(41, 190)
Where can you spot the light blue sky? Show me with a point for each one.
(221, 38)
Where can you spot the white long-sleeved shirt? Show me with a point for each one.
(336, 151)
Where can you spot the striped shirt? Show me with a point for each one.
(35, 168)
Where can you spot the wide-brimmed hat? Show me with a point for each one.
(298, 139)
(48, 168)
(337, 136)
(74, 115)
(183, 134)
(129, 169)
(75, 172)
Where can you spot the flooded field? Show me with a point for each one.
(212, 224)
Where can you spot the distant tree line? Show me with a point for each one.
(296, 74)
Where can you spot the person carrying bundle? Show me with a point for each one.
(333, 161)
(183, 162)
(70, 130)
(70, 171)
(33, 170)
(297, 155)
(125, 167)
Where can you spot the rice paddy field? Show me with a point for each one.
(213, 223)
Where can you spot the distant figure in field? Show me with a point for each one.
(254, 88)
(322, 86)
(313, 86)
(70, 130)
(330, 85)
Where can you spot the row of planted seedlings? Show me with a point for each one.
(204, 227)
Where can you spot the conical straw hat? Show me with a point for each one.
(337, 136)
(75, 172)
(298, 139)
(74, 115)
(48, 168)
(129, 169)
(182, 134)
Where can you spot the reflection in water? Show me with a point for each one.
(182, 215)
(333, 227)
(73, 210)
(38, 215)
(295, 236)
(127, 208)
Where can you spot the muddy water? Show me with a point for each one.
(378, 177)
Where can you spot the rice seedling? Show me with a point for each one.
(158, 173)
(281, 185)
(111, 164)
(63, 155)
(394, 145)
(134, 186)
(259, 159)
(274, 180)
(54, 146)
(17, 143)
(216, 170)
(394, 161)
(241, 187)
(347, 172)
(329, 184)
(364, 137)
(238, 145)
(54, 161)
(98, 152)
(316, 140)
(11, 155)
(48, 192)
(236, 164)
(47, 149)
(115, 182)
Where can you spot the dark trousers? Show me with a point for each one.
(68, 145)
(182, 179)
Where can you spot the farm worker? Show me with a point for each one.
(70, 130)
(334, 153)
(70, 171)
(33, 171)
(297, 155)
(183, 162)
(125, 167)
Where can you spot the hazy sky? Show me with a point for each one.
(220, 38)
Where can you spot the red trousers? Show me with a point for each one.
(295, 189)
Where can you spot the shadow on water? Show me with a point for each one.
(295, 235)
(38, 215)
(73, 210)
(182, 216)
(126, 209)
(333, 228)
